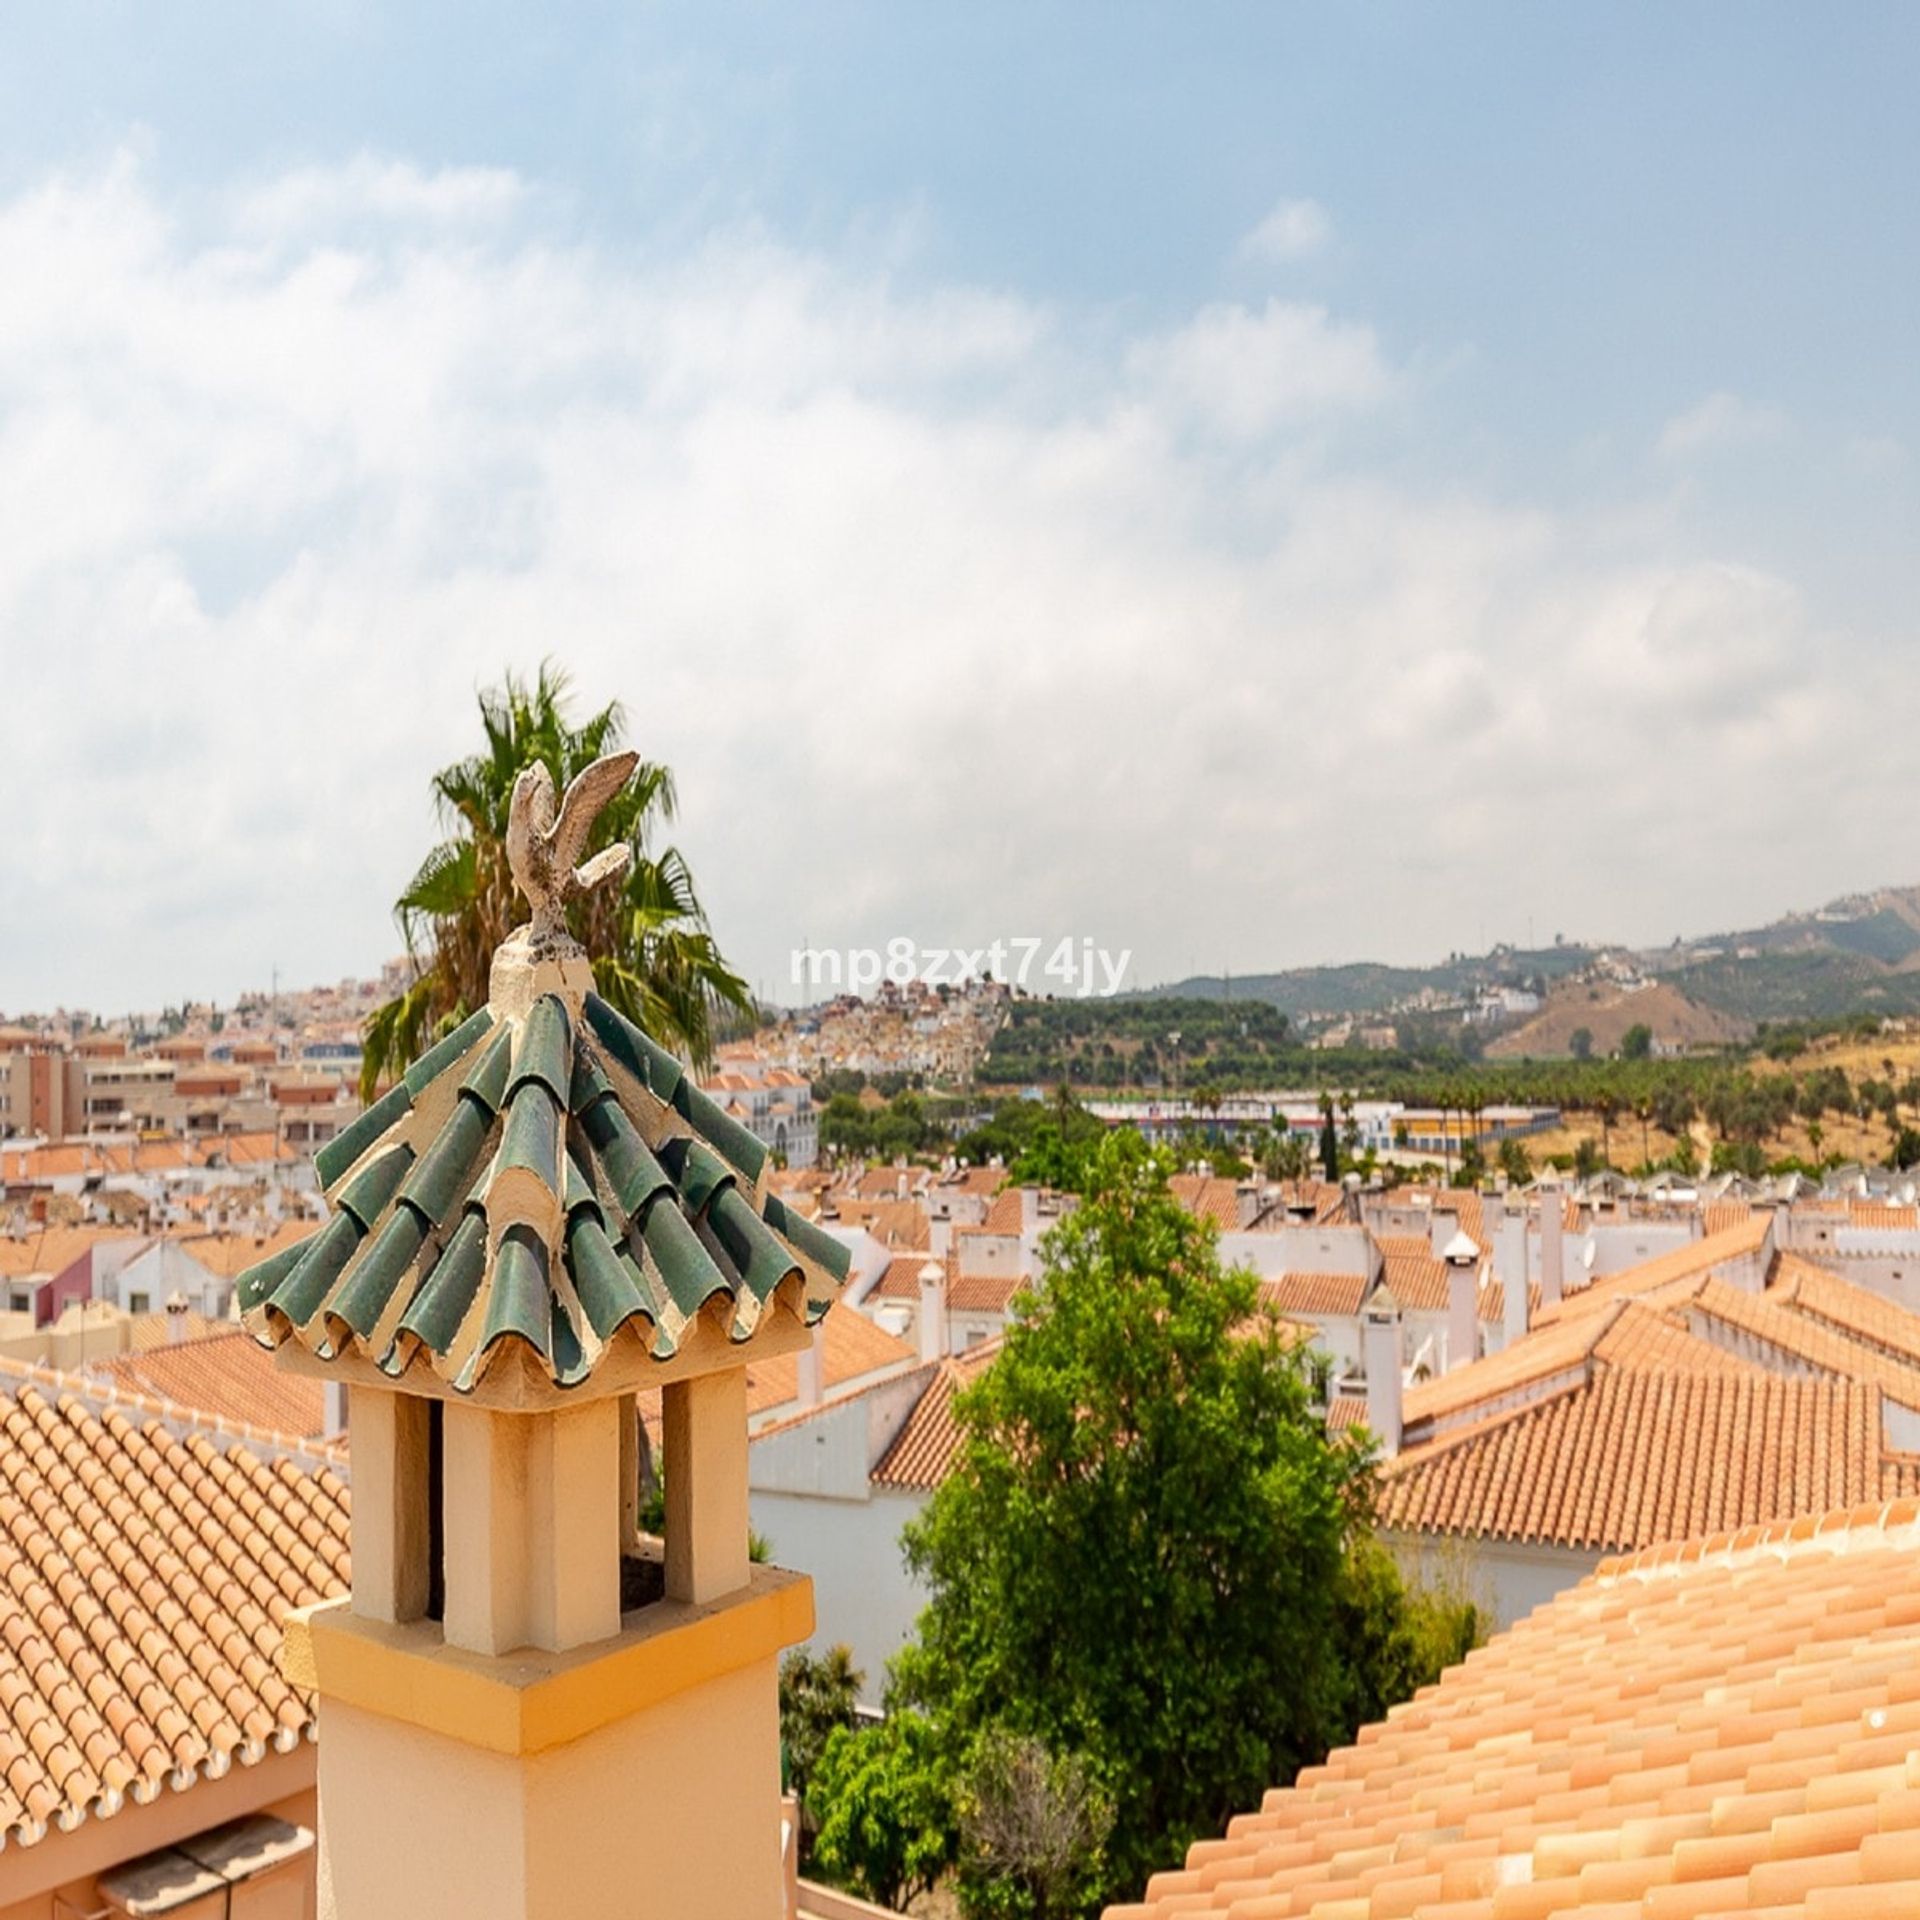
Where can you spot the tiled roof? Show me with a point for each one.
(1867, 1316)
(1345, 1411)
(1415, 1275)
(901, 1280)
(1209, 1197)
(894, 1223)
(509, 1147)
(1884, 1215)
(49, 1249)
(229, 1376)
(1007, 1214)
(1718, 1215)
(852, 1348)
(1718, 1730)
(1315, 1293)
(923, 1452)
(147, 1581)
(230, 1254)
(1697, 1257)
(1805, 1339)
(983, 1292)
(1629, 1458)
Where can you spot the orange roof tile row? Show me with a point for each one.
(146, 1581)
(1315, 1293)
(923, 1452)
(1856, 1311)
(1799, 1336)
(1635, 1457)
(1697, 1258)
(1716, 1730)
(1208, 1197)
(228, 1375)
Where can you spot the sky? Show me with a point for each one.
(1246, 486)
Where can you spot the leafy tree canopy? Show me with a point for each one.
(1151, 1555)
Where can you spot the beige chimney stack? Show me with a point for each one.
(933, 1311)
(1381, 1353)
(1462, 1255)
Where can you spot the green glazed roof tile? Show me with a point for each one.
(698, 1173)
(686, 1268)
(436, 1312)
(365, 1196)
(652, 1228)
(532, 1138)
(519, 1300)
(437, 1059)
(608, 1295)
(655, 1068)
(346, 1146)
(633, 1175)
(544, 1052)
(302, 1293)
(363, 1299)
(762, 1262)
(261, 1279)
(487, 1078)
(442, 1175)
(721, 1129)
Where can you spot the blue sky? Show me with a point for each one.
(1251, 406)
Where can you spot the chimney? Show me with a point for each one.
(1381, 1352)
(1552, 1252)
(333, 1418)
(809, 1367)
(1462, 1255)
(176, 1317)
(900, 1185)
(933, 1311)
(1510, 1263)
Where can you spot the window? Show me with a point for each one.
(137, 1302)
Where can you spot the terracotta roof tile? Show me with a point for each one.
(1723, 1729)
(147, 1580)
(1801, 1337)
(1694, 1260)
(1209, 1197)
(1856, 1311)
(1632, 1457)
(1315, 1293)
(923, 1452)
(227, 1376)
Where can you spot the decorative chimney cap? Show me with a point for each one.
(1462, 1250)
(545, 1183)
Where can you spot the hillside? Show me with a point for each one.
(1607, 1013)
(1858, 954)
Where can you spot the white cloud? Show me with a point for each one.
(1720, 423)
(1244, 372)
(1294, 230)
(958, 616)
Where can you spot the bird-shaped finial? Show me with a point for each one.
(544, 852)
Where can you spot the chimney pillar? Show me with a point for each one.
(1462, 1256)
(1380, 1350)
(809, 1366)
(1552, 1247)
(933, 1311)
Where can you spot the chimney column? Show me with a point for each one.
(1552, 1247)
(933, 1311)
(1380, 1334)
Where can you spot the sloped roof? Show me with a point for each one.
(51, 1250)
(923, 1452)
(148, 1579)
(1208, 1196)
(1631, 1457)
(1415, 1275)
(565, 1191)
(1711, 1730)
(228, 1375)
(1803, 1338)
(230, 1254)
(1325, 1294)
(1696, 1258)
(1857, 1311)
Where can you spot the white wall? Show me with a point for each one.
(862, 1592)
(1504, 1577)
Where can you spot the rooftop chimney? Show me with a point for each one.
(1510, 1263)
(809, 1367)
(1552, 1251)
(1462, 1255)
(176, 1317)
(1381, 1352)
(333, 1415)
(933, 1311)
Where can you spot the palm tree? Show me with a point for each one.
(653, 956)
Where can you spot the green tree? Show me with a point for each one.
(1329, 1142)
(818, 1693)
(886, 1797)
(1637, 1042)
(1145, 1550)
(653, 955)
(1515, 1162)
(1580, 1043)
